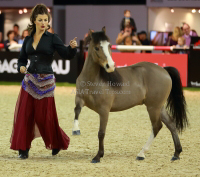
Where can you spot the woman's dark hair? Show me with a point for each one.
(38, 9)
(9, 32)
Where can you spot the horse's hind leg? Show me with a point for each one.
(171, 125)
(77, 111)
(154, 114)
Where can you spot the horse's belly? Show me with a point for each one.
(122, 108)
(126, 102)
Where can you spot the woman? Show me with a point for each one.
(35, 112)
(172, 40)
(10, 40)
(24, 34)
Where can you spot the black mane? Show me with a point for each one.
(96, 37)
(99, 36)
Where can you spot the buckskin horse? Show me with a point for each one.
(101, 87)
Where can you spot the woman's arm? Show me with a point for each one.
(63, 51)
(23, 57)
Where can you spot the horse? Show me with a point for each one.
(104, 88)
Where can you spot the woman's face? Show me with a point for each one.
(11, 36)
(176, 31)
(41, 22)
(25, 33)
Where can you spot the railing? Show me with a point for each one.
(146, 47)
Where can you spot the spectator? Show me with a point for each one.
(188, 33)
(128, 20)
(142, 36)
(125, 38)
(10, 41)
(181, 44)
(16, 32)
(127, 32)
(1, 37)
(173, 39)
(194, 31)
(128, 40)
(24, 34)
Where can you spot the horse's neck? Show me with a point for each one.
(90, 69)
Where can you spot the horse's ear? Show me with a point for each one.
(90, 33)
(104, 29)
(88, 37)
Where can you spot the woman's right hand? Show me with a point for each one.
(22, 69)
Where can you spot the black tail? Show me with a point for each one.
(176, 103)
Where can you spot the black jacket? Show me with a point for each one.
(42, 58)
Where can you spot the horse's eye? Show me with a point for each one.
(96, 48)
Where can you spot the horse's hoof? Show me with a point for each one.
(175, 158)
(77, 132)
(95, 161)
(139, 158)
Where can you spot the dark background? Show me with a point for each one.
(193, 64)
(98, 2)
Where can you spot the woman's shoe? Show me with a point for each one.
(23, 154)
(55, 151)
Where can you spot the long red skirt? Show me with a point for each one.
(34, 117)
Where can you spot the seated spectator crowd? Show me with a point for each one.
(13, 37)
(180, 38)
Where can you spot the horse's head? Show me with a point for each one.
(100, 49)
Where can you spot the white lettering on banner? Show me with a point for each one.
(195, 83)
(58, 69)
(8, 67)
(11, 67)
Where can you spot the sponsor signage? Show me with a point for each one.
(179, 61)
(64, 70)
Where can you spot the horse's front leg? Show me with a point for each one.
(102, 129)
(77, 110)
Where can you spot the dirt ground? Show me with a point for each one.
(127, 132)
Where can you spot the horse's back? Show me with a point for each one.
(157, 81)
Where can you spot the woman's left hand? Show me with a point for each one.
(73, 43)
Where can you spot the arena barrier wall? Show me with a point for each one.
(64, 70)
(179, 61)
